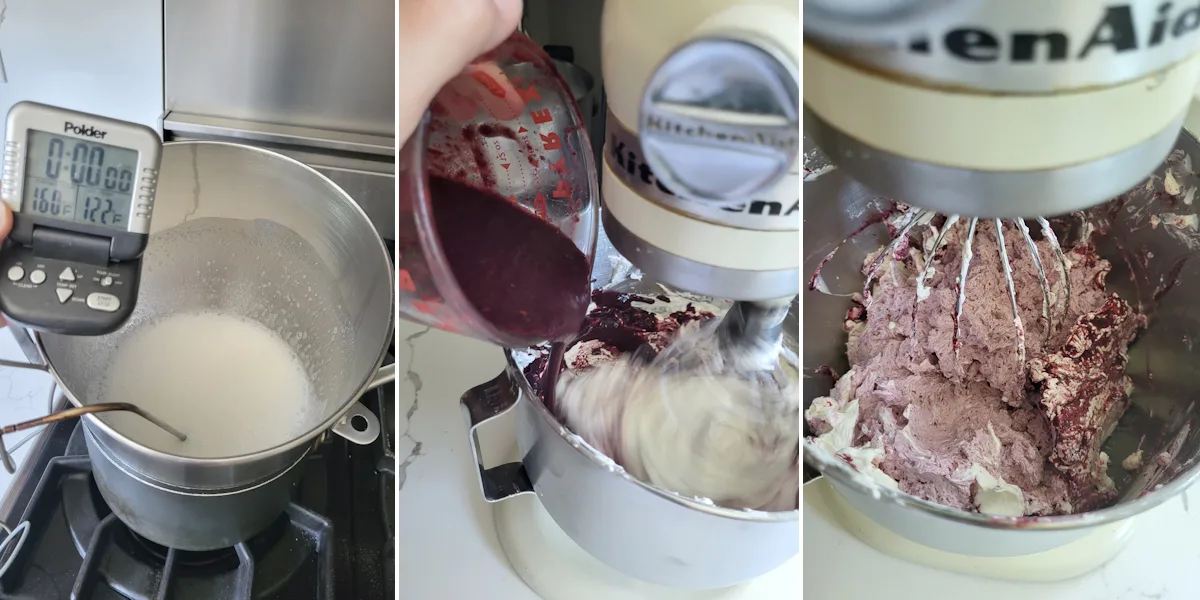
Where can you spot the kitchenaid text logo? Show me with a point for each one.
(84, 130)
(1117, 31)
(700, 131)
(635, 171)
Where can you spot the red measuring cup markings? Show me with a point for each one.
(508, 126)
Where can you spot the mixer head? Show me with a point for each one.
(998, 108)
(701, 163)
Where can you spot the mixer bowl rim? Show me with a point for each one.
(600, 460)
(846, 475)
(335, 416)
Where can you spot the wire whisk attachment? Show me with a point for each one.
(909, 221)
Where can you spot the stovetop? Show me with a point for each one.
(335, 541)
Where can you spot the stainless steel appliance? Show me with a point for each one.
(312, 80)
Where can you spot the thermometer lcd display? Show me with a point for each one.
(82, 181)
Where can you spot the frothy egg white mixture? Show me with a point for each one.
(229, 383)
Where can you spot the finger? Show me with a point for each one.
(437, 38)
(508, 16)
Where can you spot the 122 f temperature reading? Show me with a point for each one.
(100, 210)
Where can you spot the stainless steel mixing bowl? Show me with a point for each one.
(1152, 236)
(636, 528)
(251, 233)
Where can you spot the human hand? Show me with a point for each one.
(6, 221)
(437, 38)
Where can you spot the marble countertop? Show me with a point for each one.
(446, 539)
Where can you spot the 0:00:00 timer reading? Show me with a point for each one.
(87, 170)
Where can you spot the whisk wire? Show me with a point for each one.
(922, 289)
(1064, 275)
(901, 237)
(1047, 301)
(1012, 291)
(967, 254)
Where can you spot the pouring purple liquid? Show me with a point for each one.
(521, 273)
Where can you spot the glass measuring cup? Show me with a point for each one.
(507, 125)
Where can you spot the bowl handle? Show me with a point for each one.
(345, 426)
(481, 404)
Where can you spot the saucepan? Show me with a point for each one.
(1150, 238)
(245, 232)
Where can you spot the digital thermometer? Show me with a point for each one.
(81, 189)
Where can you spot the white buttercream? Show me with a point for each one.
(994, 496)
(841, 413)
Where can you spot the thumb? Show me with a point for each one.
(6, 221)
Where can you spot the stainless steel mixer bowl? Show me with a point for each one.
(1162, 364)
(641, 530)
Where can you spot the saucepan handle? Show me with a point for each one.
(361, 415)
(481, 404)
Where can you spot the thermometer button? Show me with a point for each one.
(103, 302)
(38, 277)
(64, 294)
(67, 275)
(16, 274)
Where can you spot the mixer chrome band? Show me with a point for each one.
(994, 194)
(685, 273)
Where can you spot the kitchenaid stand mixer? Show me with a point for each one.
(989, 111)
(998, 110)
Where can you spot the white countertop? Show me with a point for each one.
(447, 544)
(1160, 562)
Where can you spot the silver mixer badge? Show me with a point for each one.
(720, 120)
(776, 210)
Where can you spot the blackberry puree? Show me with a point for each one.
(613, 328)
(521, 274)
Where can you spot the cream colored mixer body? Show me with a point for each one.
(999, 108)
